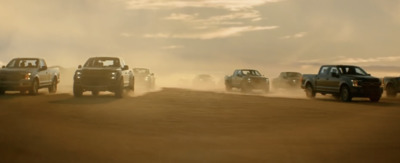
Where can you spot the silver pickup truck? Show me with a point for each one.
(28, 74)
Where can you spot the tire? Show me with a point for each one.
(390, 91)
(310, 93)
(375, 98)
(245, 88)
(78, 92)
(119, 92)
(132, 84)
(53, 87)
(2, 91)
(22, 92)
(345, 95)
(95, 93)
(34, 88)
(266, 89)
(228, 87)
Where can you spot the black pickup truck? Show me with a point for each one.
(103, 74)
(392, 86)
(343, 82)
(246, 80)
(28, 74)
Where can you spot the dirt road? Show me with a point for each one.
(174, 125)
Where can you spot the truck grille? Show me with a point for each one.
(11, 77)
(95, 77)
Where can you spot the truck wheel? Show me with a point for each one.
(266, 89)
(77, 90)
(53, 87)
(391, 91)
(310, 93)
(35, 88)
(120, 89)
(132, 84)
(95, 93)
(375, 98)
(245, 88)
(345, 95)
(228, 87)
(2, 91)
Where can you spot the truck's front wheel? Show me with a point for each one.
(375, 98)
(310, 93)
(77, 90)
(120, 89)
(34, 88)
(2, 91)
(391, 91)
(345, 95)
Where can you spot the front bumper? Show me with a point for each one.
(15, 85)
(111, 85)
(366, 91)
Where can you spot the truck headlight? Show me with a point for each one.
(78, 75)
(27, 76)
(113, 75)
(356, 83)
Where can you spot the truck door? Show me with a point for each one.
(321, 79)
(44, 74)
(333, 80)
(237, 78)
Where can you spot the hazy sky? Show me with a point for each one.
(204, 35)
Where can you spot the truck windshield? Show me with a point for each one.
(251, 72)
(23, 63)
(351, 70)
(103, 62)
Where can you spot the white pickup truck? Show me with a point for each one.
(28, 74)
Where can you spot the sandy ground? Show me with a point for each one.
(178, 125)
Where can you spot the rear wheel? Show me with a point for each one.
(77, 90)
(391, 91)
(34, 88)
(310, 93)
(53, 87)
(345, 95)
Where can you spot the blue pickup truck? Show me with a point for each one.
(392, 86)
(344, 82)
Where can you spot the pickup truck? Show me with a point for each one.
(287, 80)
(391, 85)
(103, 74)
(28, 74)
(144, 78)
(247, 80)
(344, 82)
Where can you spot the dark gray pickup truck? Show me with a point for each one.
(392, 86)
(246, 80)
(28, 74)
(343, 82)
(103, 74)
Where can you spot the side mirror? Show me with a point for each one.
(368, 74)
(335, 74)
(80, 66)
(126, 67)
(3, 66)
(43, 68)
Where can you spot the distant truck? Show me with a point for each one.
(144, 78)
(103, 74)
(203, 81)
(392, 86)
(28, 74)
(287, 80)
(247, 80)
(343, 82)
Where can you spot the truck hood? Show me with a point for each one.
(363, 78)
(16, 70)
